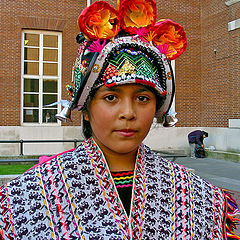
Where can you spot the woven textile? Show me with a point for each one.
(131, 66)
(123, 181)
(73, 196)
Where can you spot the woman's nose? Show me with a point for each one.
(127, 110)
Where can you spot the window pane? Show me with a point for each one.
(31, 39)
(31, 54)
(50, 69)
(50, 41)
(30, 115)
(30, 100)
(50, 55)
(49, 98)
(31, 68)
(40, 75)
(49, 85)
(49, 115)
(31, 85)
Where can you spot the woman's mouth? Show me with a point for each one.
(126, 132)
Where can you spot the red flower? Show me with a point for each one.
(99, 21)
(136, 14)
(173, 35)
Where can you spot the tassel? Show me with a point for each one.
(231, 220)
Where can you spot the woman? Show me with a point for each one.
(112, 186)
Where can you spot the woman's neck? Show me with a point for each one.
(119, 161)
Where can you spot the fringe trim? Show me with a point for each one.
(1, 233)
(232, 220)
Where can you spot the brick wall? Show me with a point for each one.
(207, 84)
(220, 74)
(54, 15)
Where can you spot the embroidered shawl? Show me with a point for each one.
(73, 196)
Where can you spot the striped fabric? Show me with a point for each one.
(123, 181)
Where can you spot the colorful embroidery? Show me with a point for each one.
(107, 186)
(10, 213)
(231, 216)
(123, 179)
(70, 196)
(131, 66)
(139, 196)
(43, 193)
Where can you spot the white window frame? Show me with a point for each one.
(231, 2)
(40, 76)
(235, 24)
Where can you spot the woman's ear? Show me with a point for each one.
(86, 116)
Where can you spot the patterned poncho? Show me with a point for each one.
(73, 196)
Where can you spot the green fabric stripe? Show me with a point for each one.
(123, 182)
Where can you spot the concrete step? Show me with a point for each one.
(227, 156)
(17, 159)
(20, 157)
(6, 178)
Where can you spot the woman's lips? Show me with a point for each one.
(126, 132)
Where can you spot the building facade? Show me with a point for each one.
(38, 49)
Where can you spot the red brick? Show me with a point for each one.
(207, 83)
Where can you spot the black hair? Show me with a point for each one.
(205, 134)
(86, 126)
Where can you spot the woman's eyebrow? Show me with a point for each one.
(118, 89)
(142, 90)
(111, 89)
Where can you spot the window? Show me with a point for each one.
(41, 76)
(234, 25)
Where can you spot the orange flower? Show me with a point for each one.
(151, 35)
(171, 34)
(137, 13)
(99, 21)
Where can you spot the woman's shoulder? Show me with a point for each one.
(27, 197)
(204, 197)
(173, 169)
(44, 163)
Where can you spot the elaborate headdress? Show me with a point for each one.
(125, 45)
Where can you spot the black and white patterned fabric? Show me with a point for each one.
(73, 196)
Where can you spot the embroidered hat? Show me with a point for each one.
(125, 46)
(126, 65)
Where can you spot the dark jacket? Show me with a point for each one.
(196, 137)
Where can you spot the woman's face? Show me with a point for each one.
(121, 117)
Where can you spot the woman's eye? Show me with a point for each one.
(143, 98)
(110, 98)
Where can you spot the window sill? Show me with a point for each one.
(41, 125)
(231, 2)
